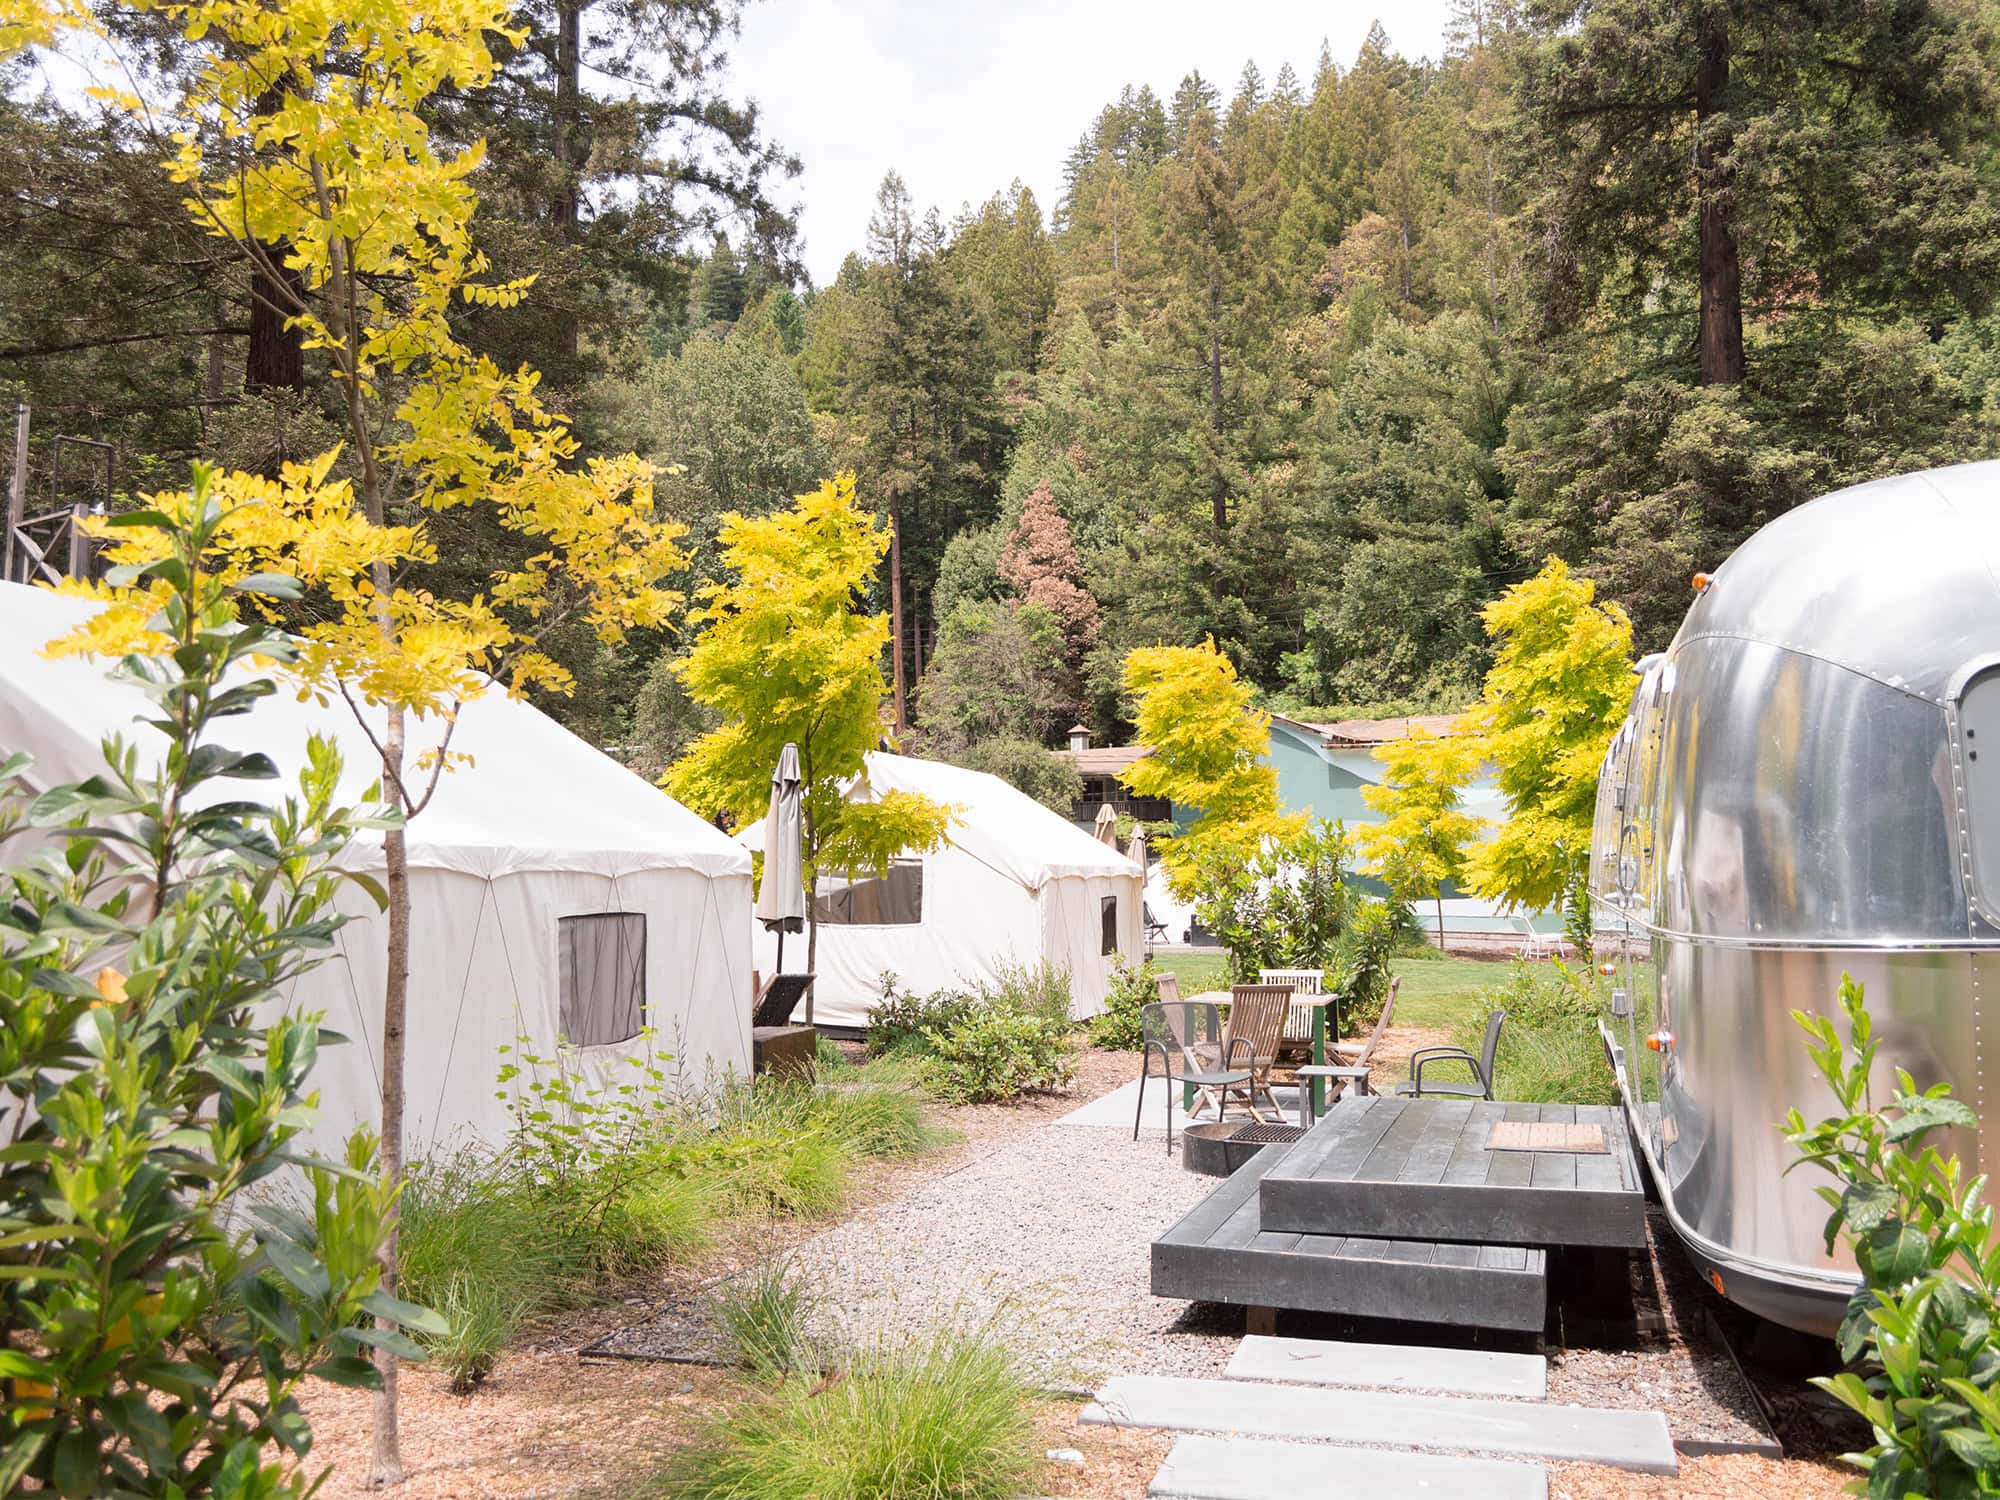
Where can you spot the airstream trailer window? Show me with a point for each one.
(1977, 726)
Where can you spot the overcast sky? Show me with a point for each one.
(962, 96)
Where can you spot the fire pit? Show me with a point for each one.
(1219, 1148)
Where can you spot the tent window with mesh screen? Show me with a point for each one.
(602, 964)
(895, 899)
(1107, 913)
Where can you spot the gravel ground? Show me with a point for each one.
(1682, 1369)
(1044, 1238)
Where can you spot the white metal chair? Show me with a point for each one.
(1536, 944)
(1299, 1017)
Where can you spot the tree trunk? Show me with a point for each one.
(275, 360)
(386, 1461)
(1721, 279)
(1492, 249)
(572, 146)
(1219, 496)
(896, 602)
(1440, 906)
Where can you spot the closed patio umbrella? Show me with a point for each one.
(781, 900)
(1106, 827)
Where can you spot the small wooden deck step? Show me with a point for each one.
(1425, 1169)
(1212, 1468)
(1391, 1367)
(1221, 1252)
(1636, 1440)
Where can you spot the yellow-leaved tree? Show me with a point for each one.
(1205, 749)
(1420, 845)
(1559, 687)
(783, 656)
(302, 127)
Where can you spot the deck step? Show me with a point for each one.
(1392, 1419)
(1425, 1169)
(1391, 1367)
(1221, 1252)
(1211, 1468)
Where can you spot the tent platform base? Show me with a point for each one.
(784, 1051)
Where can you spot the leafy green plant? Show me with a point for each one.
(1286, 908)
(998, 1054)
(1550, 1051)
(1922, 1235)
(766, 1314)
(898, 1021)
(1132, 989)
(945, 1418)
(151, 1345)
(1363, 959)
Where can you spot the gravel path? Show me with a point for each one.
(1046, 1238)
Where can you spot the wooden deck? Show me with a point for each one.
(1422, 1169)
(1222, 1252)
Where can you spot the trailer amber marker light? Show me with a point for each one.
(1607, 970)
(1701, 582)
(1659, 1041)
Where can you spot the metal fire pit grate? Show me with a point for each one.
(1268, 1135)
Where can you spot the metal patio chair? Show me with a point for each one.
(1482, 1066)
(1188, 1036)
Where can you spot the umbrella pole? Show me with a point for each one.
(781, 950)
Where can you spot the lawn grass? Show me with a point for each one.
(1207, 970)
(1438, 990)
(1443, 992)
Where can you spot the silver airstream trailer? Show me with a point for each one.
(1808, 783)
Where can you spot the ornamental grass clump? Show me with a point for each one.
(1921, 1325)
(946, 1417)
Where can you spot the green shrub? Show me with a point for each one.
(1032, 989)
(1286, 909)
(151, 1345)
(897, 1023)
(1001, 1054)
(766, 1315)
(948, 1418)
(1551, 994)
(1922, 1321)
(1366, 950)
(1132, 989)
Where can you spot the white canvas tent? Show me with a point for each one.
(1014, 883)
(554, 892)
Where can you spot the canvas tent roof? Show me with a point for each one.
(535, 796)
(998, 825)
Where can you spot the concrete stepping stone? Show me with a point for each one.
(1389, 1419)
(1211, 1468)
(1392, 1367)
